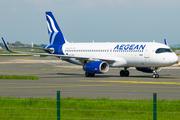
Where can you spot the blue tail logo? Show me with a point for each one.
(165, 42)
(55, 35)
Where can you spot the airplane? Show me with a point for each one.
(97, 58)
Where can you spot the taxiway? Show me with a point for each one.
(70, 80)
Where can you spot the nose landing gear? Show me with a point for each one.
(155, 75)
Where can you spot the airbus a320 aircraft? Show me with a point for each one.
(96, 58)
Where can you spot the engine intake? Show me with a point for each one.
(96, 67)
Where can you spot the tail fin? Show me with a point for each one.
(165, 42)
(55, 34)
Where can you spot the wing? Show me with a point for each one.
(80, 58)
(38, 48)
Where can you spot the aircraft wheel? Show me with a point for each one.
(155, 75)
(87, 74)
(92, 74)
(126, 73)
(122, 73)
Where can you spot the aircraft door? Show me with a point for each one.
(147, 51)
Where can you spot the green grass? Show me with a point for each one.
(74, 108)
(174, 49)
(15, 55)
(19, 77)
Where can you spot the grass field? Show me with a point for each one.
(174, 49)
(19, 77)
(14, 55)
(77, 108)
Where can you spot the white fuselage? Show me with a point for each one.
(124, 54)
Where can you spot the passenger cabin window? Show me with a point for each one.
(162, 50)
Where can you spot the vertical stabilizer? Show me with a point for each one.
(55, 35)
(165, 42)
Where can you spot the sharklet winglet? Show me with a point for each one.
(7, 48)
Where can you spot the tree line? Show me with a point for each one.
(19, 44)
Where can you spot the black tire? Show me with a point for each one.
(122, 73)
(126, 73)
(157, 75)
(92, 74)
(87, 74)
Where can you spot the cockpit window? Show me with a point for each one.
(162, 50)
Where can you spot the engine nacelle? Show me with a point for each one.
(148, 69)
(96, 67)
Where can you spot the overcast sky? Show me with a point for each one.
(87, 20)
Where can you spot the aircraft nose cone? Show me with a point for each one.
(173, 59)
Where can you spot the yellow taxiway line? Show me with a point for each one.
(134, 82)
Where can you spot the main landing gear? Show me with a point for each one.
(88, 74)
(124, 73)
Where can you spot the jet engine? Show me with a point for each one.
(148, 69)
(96, 67)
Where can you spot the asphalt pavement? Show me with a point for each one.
(56, 75)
